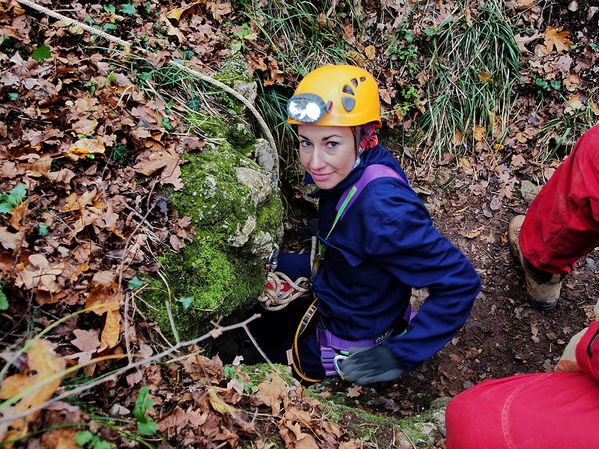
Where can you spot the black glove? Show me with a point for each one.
(373, 364)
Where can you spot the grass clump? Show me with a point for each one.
(474, 66)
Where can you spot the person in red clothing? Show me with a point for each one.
(545, 410)
(531, 411)
(562, 223)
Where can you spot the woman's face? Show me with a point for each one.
(327, 153)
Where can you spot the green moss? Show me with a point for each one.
(270, 214)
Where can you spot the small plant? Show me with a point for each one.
(145, 424)
(41, 52)
(403, 52)
(548, 86)
(8, 201)
(120, 153)
(3, 299)
(88, 440)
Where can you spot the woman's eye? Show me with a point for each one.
(305, 144)
(332, 144)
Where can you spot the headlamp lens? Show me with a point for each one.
(306, 108)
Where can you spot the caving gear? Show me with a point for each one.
(336, 95)
(331, 346)
(384, 246)
(348, 197)
(368, 365)
(542, 288)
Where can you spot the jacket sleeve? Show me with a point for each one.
(587, 351)
(405, 243)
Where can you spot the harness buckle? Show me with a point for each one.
(273, 259)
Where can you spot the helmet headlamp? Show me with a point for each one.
(306, 108)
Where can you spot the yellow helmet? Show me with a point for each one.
(335, 95)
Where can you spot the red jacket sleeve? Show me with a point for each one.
(587, 351)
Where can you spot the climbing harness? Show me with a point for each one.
(334, 348)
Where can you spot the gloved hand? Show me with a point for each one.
(373, 364)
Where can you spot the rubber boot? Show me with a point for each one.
(543, 288)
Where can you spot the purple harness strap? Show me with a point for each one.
(371, 173)
(331, 345)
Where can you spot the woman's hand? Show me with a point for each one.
(372, 364)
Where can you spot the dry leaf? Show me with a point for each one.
(370, 52)
(83, 147)
(525, 4)
(484, 76)
(177, 12)
(558, 38)
(42, 363)
(112, 329)
(218, 404)
(574, 104)
(478, 132)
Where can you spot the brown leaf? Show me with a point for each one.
(112, 329)
(11, 240)
(370, 52)
(42, 363)
(271, 392)
(60, 439)
(177, 12)
(86, 340)
(83, 147)
(555, 37)
(218, 404)
(525, 4)
(478, 132)
(104, 278)
(354, 391)
(574, 104)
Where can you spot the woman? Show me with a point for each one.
(376, 243)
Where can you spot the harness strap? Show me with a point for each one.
(305, 321)
(348, 197)
(332, 345)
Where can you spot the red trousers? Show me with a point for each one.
(562, 223)
(532, 411)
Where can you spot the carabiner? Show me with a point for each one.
(336, 365)
(273, 259)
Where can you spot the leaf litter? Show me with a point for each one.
(66, 115)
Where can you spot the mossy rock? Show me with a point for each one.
(236, 212)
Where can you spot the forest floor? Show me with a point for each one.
(79, 222)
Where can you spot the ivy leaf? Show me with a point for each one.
(166, 123)
(135, 283)
(83, 437)
(185, 302)
(128, 9)
(40, 53)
